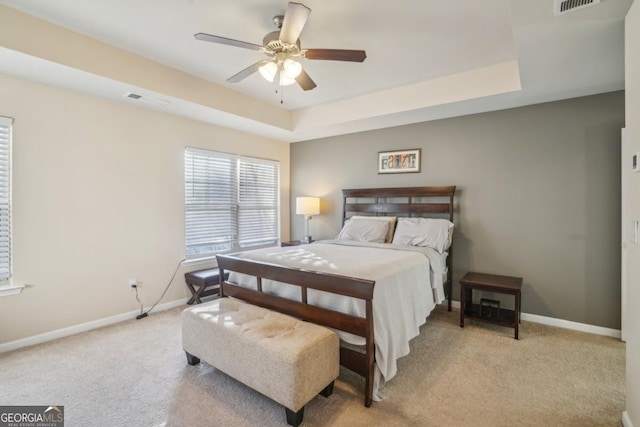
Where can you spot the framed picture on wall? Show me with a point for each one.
(400, 161)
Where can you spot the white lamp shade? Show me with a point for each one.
(268, 71)
(286, 73)
(292, 69)
(307, 206)
(286, 81)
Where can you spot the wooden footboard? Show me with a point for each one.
(361, 363)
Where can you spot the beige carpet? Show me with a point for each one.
(135, 374)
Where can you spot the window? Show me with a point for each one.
(231, 202)
(5, 198)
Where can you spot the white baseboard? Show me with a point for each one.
(566, 324)
(83, 327)
(626, 421)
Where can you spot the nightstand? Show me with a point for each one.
(492, 283)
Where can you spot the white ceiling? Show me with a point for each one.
(426, 59)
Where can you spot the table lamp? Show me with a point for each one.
(307, 206)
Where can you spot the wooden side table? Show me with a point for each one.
(492, 283)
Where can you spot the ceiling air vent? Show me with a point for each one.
(561, 7)
(146, 100)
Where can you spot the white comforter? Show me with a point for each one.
(403, 293)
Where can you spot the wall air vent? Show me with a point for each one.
(141, 99)
(560, 7)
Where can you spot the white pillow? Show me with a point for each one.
(430, 232)
(364, 230)
(390, 219)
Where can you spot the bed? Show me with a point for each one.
(369, 279)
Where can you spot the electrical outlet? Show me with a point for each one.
(133, 284)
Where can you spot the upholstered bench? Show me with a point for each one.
(286, 359)
(203, 283)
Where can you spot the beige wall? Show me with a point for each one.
(632, 198)
(538, 195)
(98, 193)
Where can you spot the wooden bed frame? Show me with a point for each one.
(417, 201)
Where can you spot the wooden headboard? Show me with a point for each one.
(404, 202)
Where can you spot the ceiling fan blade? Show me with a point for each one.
(335, 54)
(305, 81)
(246, 72)
(294, 20)
(224, 40)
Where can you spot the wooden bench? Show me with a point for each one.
(203, 283)
(284, 358)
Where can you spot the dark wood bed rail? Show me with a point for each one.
(416, 202)
(361, 363)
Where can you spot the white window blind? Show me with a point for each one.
(231, 202)
(5, 198)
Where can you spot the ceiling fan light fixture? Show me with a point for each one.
(292, 69)
(286, 80)
(268, 71)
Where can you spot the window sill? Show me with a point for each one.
(211, 259)
(199, 261)
(10, 289)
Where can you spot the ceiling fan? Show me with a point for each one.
(281, 47)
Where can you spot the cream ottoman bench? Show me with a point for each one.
(286, 359)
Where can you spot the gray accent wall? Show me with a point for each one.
(538, 195)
